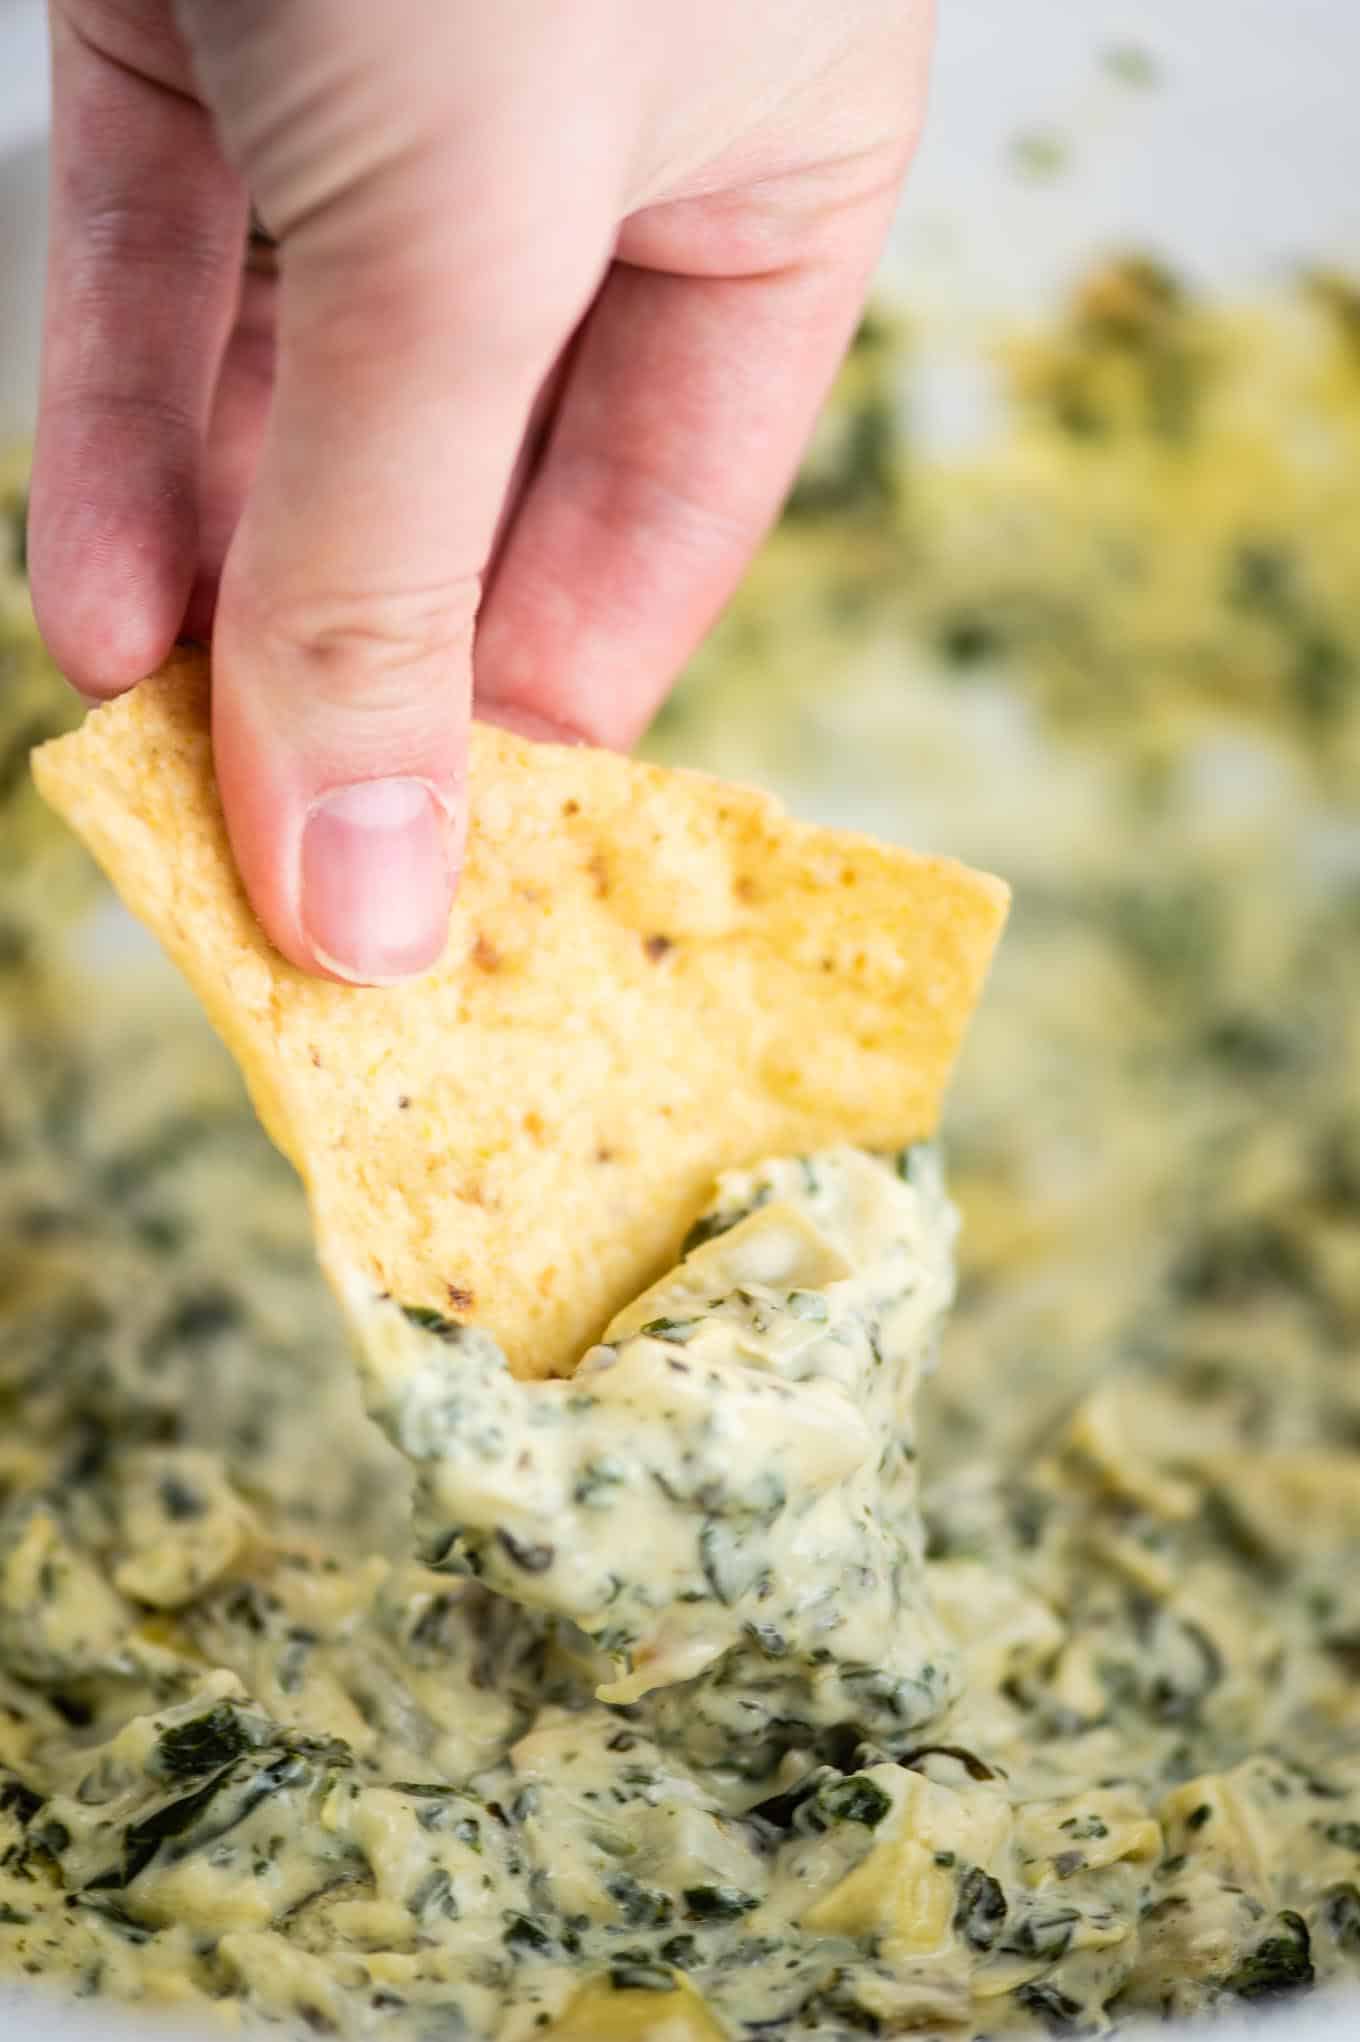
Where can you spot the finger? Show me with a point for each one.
(679, 430)
(235, 436)
(145, 237)
(444, 201)
(407, 364)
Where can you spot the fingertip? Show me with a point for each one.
(376, 881)
(361, 887)
(345, 807)
(102, 649)
(110, 572)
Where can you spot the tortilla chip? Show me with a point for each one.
(651, 976)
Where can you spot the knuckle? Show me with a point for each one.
(145, 233)
(107, 417)
(368, 651)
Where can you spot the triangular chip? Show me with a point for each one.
(651, 976)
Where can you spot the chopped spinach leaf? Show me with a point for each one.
(718, 1903)
(981, 1908)
(1280, 1964)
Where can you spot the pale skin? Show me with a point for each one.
(561, 285)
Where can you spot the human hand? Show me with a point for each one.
(559, 291)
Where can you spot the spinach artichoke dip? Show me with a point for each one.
(756, 1679)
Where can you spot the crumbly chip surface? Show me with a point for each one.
(651, 977)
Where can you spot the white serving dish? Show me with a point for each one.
(1241, 164)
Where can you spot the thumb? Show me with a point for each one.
(420, 308)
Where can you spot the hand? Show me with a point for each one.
(560, 288)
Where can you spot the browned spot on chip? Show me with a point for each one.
(485, 955)
(404, 1101)
(603, 1154)
(460, 1298)
(657, 947)
(571, 808)
(742, 1047)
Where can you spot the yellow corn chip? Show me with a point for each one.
(651, 976)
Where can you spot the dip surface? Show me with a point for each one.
(258, 1762)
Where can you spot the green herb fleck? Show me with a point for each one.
(981, 1908)
(641, 1906)
(858, 1799)
(1341, 1913)
(433, 1895)
(433, 1322)
(522, 1932)
(534, 1558)
(1058, 2011)
(640, 1977)
(718, 1903)
(596, 1485)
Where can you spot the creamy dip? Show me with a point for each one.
(727, 1484)
(260, 1763)
(644, 1743)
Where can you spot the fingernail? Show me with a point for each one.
(376, 883)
